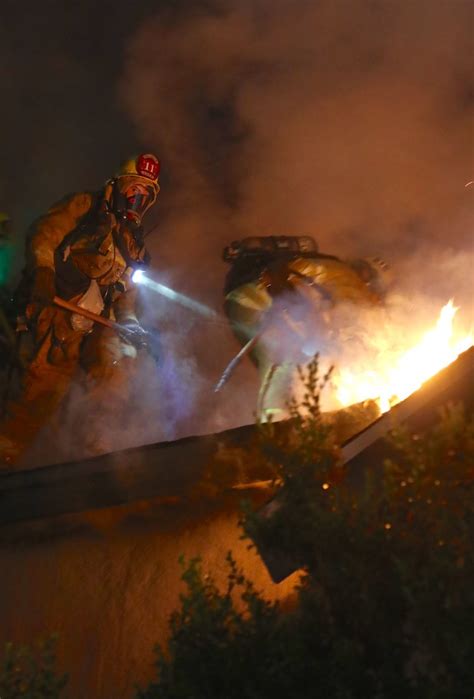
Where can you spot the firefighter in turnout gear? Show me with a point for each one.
(279, 293)
(84, 250)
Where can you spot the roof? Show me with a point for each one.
(174, 469)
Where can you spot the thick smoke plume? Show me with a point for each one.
(346, 120)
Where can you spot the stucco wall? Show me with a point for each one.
(107, 582)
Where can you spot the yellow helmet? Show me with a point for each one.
(144, 167)
(135, 186)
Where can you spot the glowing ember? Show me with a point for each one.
(391, 381)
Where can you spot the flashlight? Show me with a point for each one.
(137, 276)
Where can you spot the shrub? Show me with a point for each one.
(28, 672)
(385, 606)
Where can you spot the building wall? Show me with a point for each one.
(107, 582)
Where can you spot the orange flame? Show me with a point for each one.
(392, 381)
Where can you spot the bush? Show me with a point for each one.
(385, 606)
(28, 672)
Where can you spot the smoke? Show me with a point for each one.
(346, 120)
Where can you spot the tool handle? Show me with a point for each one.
(136, 336)
(230, 368)
(68, 306)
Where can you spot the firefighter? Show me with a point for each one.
(279, 293)
(85, 250)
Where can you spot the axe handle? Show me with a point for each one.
(68, 306)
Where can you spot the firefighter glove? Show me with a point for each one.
(134, 333)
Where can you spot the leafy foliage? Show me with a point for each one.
(386, 603)
(28, 672)
(212, 641)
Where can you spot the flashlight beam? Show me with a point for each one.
(139, 277)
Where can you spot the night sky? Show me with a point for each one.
(350, 120)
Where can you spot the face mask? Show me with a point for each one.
(137, 204)
(133, 201)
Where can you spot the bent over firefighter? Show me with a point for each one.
(83, 250)
(280, 295)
